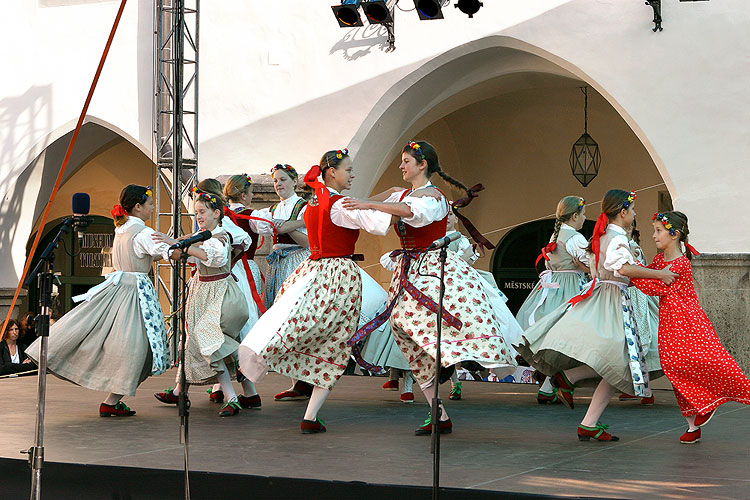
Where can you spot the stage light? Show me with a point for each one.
(469, 7)
(377, 12)
(347, 14)
(429, 9)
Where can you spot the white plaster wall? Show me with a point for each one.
(281, 82)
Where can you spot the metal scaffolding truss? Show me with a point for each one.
(175, 132)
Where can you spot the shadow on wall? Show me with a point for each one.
(22, 118)
(359, 42)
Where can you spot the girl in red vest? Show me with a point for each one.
(304, 334)
(704, 375)
(474, 327)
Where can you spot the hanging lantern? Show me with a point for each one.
(585, 157)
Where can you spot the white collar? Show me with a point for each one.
(132, 221)
(616, 228)
(236, 207)
(565, 226)
(291, 200)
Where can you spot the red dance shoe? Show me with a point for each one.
(301, 390)
(564, 389)
(215, 396)
(691, 437)
(701, 420)
(391, 385)
(626, 397)
(598, 432)
(116, 410)
(167, 397)
(252, 402)
(230, 409)
(407, 397)
(545, 398)
(649, 401)
(312, 426)
(445, 426)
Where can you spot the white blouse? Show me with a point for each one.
(239, 237)
(15, 358)
(143, 243)
(217, 252)
(618, 252)
(387, 262)
(576, 245)
(425, 210)
(372, 221)
(464, 250)
(283, 211)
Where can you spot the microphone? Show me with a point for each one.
(81, 204)
(444, 241)
(196, 238)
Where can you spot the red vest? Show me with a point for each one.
(339, 241)
(245, 225)
(419, 238)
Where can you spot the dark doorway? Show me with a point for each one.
(513, 259)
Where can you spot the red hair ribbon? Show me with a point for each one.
(324, 199)
(692, 249)
(118, 211)
(547, 249)
(472, 193)
(599, 229)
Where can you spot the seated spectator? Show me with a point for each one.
(12, 352)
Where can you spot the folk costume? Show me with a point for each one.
(304, 334)
(116, 337)
(704, 375)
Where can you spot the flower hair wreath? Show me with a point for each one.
(630, 200)
(581, 204)
(416, 150)
(287, 168)
(665, 222)
(248, 179)
(148, 194)
(340, 153)
(200, 195)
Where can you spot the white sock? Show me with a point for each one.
(454, 379)
(691, 423)
(428, 389)
(599, 402)
(248, 388)
(294, 381)
(178, 389)
(113, 399)
(408, 382)
(547, 386)
(216, 387)
(226, 382)
(318, 397)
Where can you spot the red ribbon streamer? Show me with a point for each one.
(599, 229)
(245, 264)
(472, 193)
(549, 248)
(692, 249)
(118, 211)
(324, 200)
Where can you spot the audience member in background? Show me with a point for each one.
(13, 352)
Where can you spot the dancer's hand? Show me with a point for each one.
(163, 238)
(668, 276)
(355, 204)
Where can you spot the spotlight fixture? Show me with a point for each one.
(429, 9)
(347, 14)
(377, 12)
(469, 7)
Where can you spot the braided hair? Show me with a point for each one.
(130, 196)
(566, 208)
(424, 151)
(614, 200)
(679, 223)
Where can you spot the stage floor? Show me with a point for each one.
(502, 440)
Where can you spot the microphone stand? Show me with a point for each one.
(183, 404)
(435, 411)
(47, 279)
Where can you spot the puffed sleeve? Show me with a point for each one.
(425, 210)
(144, 244)
(387, 262)
(618, 254)
(637, 252)
(576, 246)
(465, 250)
(217, 252)
(372, 221)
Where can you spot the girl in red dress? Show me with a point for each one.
(704, 375)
